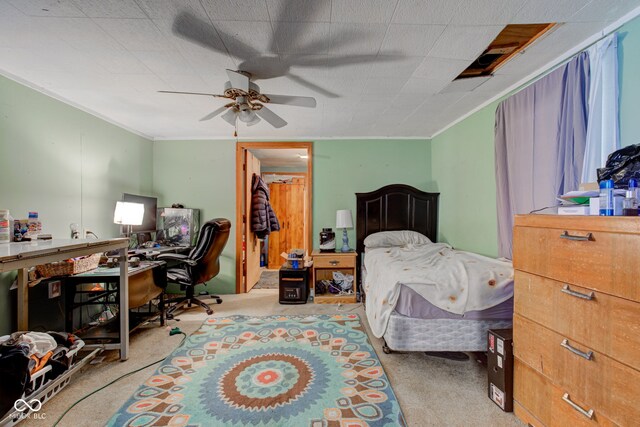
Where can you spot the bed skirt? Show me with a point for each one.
(410, 334)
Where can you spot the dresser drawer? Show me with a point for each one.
(607, 324)
(550, 403)
(604, 261)
(610, 387)
(334, 261)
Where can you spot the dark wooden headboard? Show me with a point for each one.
(396, 207)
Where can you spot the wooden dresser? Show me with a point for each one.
(577, 320)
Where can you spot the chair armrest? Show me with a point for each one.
(176, 257)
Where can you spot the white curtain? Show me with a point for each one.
(603, 136)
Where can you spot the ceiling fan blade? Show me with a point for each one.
(272, 118)
(314, 87)
(214, 113)
(192, 93)
(298, 101)
(255, 121)
(238, 80)
(230, 117)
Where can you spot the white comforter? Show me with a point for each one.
(455, 281)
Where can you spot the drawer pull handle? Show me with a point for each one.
(334, 262)
(565, 235)
(580, 295)
(565, 343)
(588, 414)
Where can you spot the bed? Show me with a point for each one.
(414, 324)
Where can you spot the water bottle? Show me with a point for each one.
(606, 198)
(633, 186)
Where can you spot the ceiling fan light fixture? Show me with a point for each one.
(247, 115)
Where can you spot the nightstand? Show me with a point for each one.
(324, 264)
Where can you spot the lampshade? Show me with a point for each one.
(344, 219)
(128, 213)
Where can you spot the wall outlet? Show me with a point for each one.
(55, 289)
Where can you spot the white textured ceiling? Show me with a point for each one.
(376, 67)
(281, 157)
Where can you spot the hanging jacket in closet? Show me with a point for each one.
(263, 218)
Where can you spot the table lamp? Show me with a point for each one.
(128, 213)
(344, 221)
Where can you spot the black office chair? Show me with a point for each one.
(201, 265)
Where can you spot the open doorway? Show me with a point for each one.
(286, 168)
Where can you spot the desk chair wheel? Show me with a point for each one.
(218, 300)
(209, 312)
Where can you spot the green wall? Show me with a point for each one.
(463, 164)
(201, 174)
(463, 171)
(629, 75)
(344, 167)
(67, 165)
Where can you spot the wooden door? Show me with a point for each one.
(295, 214)
(288, 202)
(277, 240)
(252, 243)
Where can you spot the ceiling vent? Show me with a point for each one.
(514, 38)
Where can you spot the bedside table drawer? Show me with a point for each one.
(334, 261)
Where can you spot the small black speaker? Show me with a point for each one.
(500, 367)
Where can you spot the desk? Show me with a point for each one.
(23, 255)
(151, 253)
(146, 282)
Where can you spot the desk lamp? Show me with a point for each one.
(344, 220)
(128, 213)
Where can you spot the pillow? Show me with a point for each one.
(386, 239)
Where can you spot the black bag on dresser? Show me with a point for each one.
(621, 166)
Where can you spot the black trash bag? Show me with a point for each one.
(621, 166)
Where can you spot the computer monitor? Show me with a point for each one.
(150, 207)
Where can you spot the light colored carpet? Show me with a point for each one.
(431, 391)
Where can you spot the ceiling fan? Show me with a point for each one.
(248, 104)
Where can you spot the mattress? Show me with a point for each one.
(410, 334)
(412, 304)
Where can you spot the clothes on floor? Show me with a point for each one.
(22, 354)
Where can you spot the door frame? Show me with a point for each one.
(240, 148)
